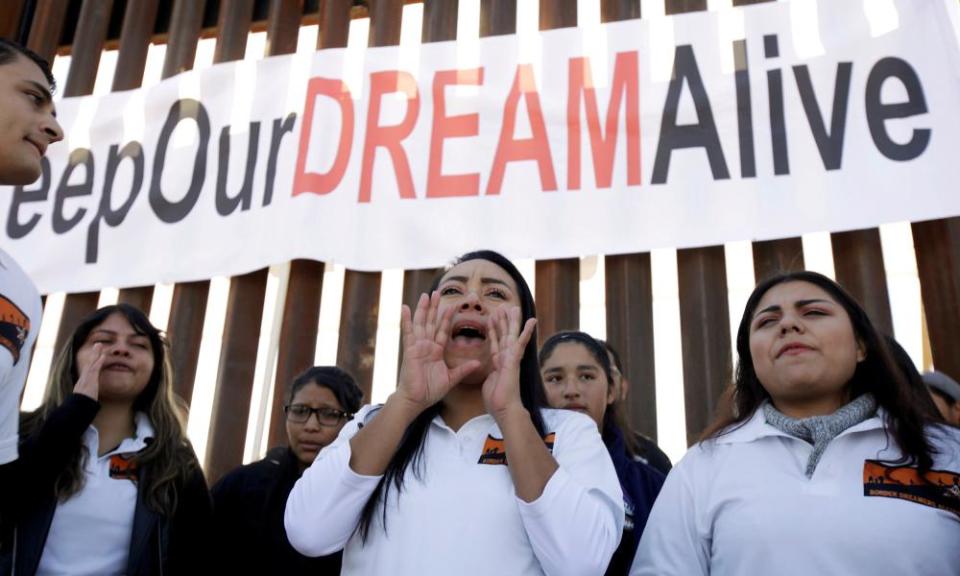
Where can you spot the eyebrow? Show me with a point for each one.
(579, 367)
(115, 333)
(485, 280)
(323, 405)
(797, 304)
(44, 91)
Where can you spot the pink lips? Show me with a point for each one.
(793, 350)
(118, 367)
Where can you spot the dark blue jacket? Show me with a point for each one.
(640, 484)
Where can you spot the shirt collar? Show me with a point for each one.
(143, 433)
(482, 420)
(145, 429)
(756, 427)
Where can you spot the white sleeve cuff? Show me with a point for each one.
(351, 479)
(553, 490)
(8, 449)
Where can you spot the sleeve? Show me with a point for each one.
(324, 507)
(189, 551)
(46, 452)
(229, 523)
(10, 387)
(575, 526)
(676, 541)
(15, 359)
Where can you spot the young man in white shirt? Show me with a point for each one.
(28, 124)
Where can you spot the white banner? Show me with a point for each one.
(744, 124)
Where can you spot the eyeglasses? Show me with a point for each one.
(300, 413)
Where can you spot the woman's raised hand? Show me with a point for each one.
(424, 376)
(501, 389)
(89, 382)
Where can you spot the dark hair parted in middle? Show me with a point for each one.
(601, 352)
(878, 374)
(531, 394)
(340, 383)
(592, 345)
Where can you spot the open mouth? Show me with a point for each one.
(469, 333)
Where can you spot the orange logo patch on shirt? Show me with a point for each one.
(548, 440)
(124, 467)
(495, 453)
(14, 327)
(937, 488)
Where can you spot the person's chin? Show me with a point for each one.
(22, 174)
(461, 357)
(308, 453)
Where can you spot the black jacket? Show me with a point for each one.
(641, 484)
(159, 544)
(248, 517)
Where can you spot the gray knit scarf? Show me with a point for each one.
(820, 430)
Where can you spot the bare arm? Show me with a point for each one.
(376, 443)
(573, 516)
(325, 505)
(424, 380)
(531, 464)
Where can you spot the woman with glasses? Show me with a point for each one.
(249, 501)
(464, 470)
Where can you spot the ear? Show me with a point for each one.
(611, 394)
(861, 351)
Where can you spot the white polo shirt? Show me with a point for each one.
(462, 516)
(740, 504)
(91, 531)
(19, 324)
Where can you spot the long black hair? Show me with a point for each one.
(411, 446)
(878, 374)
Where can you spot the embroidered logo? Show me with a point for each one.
(548, 441)
(937, 488)
(628, 513)
(495, 453)
(124, 467)
(14, 327)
